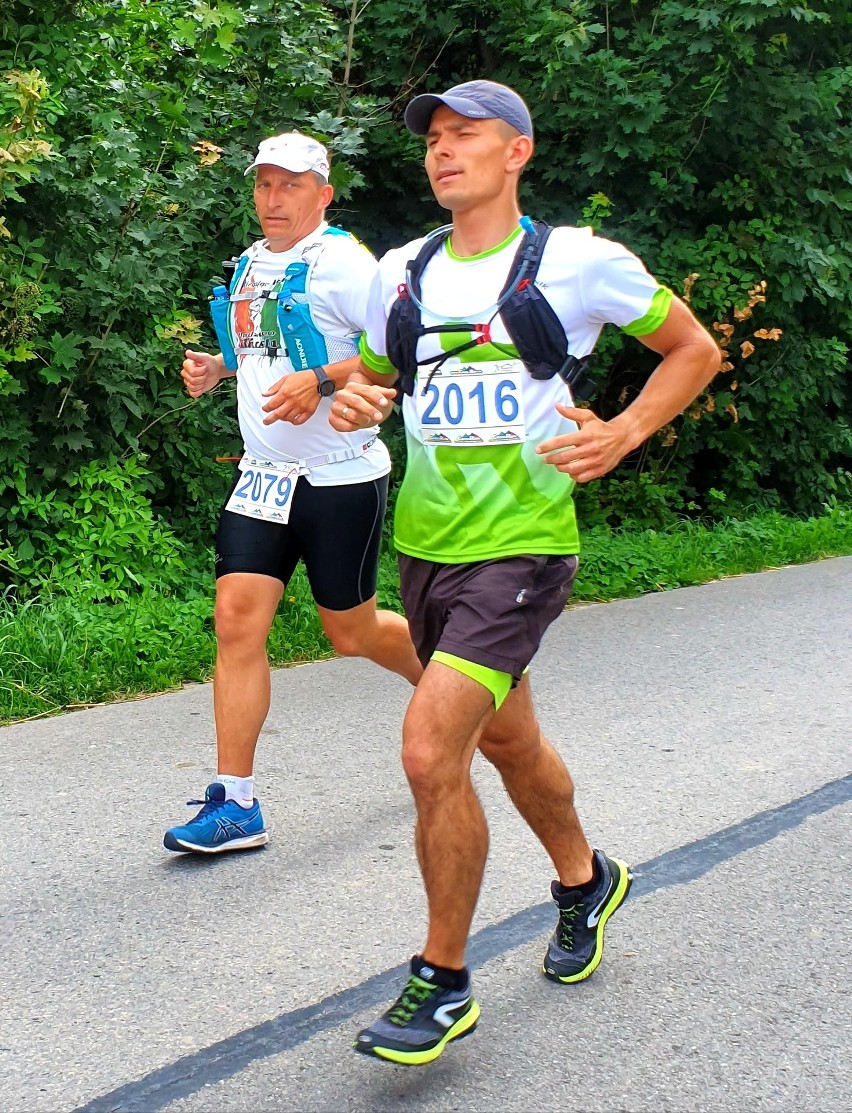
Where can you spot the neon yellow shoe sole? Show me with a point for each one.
(594, 931)
(464, 1026)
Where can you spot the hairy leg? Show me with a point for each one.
(440, 733)
(245, 608)
(538, 783)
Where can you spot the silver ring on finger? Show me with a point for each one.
(344, 412)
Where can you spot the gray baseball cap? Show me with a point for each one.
(478, 100)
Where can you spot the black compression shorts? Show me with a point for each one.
(336, 531)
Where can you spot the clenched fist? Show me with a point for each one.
(201, 372)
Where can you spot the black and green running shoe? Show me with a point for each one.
(576, 947)
(420, 1024)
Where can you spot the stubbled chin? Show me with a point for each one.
(452, 199)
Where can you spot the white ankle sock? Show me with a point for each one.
(238, 789)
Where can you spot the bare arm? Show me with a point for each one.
(690, 360)
(295, 397)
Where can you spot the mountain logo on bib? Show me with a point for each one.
(469, 438)
(466, 369)
(437, 438)
(505, 435)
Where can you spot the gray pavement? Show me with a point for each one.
(708, 730)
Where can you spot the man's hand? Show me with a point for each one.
(592, 450)
(359, 405)
(201, 372)
(293, 398)
(690, 360)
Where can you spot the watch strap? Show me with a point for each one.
(322, 379)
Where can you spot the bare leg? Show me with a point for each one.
(245, 608)
(381, 636)
(538, 783)
(440, 734)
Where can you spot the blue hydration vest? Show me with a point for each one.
(303, 343)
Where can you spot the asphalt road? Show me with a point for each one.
(708, 730)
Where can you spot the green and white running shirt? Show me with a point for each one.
(474, 489)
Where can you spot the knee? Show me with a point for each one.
(426, 765)
(236, 625)
(505, 750)
(346, 643)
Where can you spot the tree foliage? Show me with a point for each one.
(126, 128)
(714, 139)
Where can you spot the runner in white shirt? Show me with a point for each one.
(303, 490)
(486, 530)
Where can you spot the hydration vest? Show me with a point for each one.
(535, 330)
(302, 341)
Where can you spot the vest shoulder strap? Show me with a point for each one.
(431, 245)
(239, 270)
(533, 326)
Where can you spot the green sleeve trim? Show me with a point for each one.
(499, 684)
(380, 364)
(660, 305)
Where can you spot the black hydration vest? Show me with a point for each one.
(533, 327)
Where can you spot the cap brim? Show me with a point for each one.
(295, 166)
(418, 114)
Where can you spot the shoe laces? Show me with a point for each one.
(209, 806)
(567, 916)
(415, 993)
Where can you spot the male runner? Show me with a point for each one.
(486, 529)
(303, 491)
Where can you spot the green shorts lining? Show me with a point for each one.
(499, 684)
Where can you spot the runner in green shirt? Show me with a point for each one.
(487, 535)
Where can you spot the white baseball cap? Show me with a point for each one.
(294, 152)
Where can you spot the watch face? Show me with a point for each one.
(326, 388)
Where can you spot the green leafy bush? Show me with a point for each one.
(713, 139)
(100, 541)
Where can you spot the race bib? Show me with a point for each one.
(265, 490)
(472, 404)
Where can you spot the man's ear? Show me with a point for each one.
(327, 195)
(520, 153)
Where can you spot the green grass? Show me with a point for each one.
(619, 564)
(58, 653)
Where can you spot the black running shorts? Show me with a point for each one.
(336, 531)
(493, 613)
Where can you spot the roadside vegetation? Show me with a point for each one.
(712, 139)
(61, 652)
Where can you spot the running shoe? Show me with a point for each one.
(420, 1024)
(576, 946)
(220, 825)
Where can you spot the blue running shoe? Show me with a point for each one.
(220, 825)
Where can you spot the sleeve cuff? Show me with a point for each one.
(381, 365)
(658, 311)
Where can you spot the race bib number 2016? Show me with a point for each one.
(264, 490)
(472, 404)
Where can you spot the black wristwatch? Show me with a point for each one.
(325, 386)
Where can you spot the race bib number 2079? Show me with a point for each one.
(264, 490)
(472, 404)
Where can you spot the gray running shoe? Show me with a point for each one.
(421, 1022)
(576, 947)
